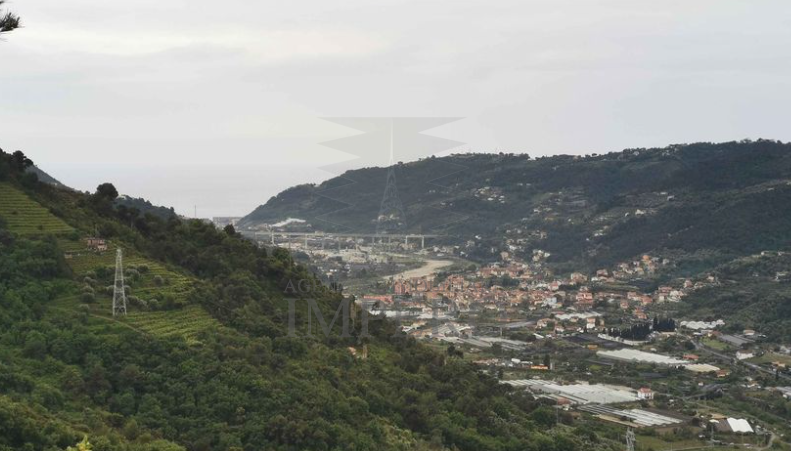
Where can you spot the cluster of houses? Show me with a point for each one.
(645, 266)
(92, 244)
(96, 244)
(490, 194)
(511, 288)
(510, 291)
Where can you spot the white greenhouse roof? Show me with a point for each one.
(640, 356)
(740, 426)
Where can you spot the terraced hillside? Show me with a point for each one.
(187, 323)
(151, 280)
(151, 285)
(25, 216)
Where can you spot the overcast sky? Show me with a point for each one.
(215, 104)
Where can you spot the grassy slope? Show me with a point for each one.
(186, 323)
(25, 216)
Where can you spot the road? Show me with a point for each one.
(771, 441)
(731, 359)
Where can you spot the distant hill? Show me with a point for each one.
(44, 177)
(700, 204)
(752, 292)
(144, 206)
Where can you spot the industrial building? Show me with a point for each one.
(701, 368)
(577, 393)
(632, 355)
(638, 418)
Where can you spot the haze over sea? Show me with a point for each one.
(219, 190)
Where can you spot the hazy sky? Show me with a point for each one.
(215, 104)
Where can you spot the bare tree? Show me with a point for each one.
(8, 20)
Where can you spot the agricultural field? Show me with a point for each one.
(148, 279)
(81, 259)
(771, 357)
(715, 344)
(187, 323)
(151, 285)
(25, 216)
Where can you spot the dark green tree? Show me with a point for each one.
(8, 20)
(106, 191)
(20, 162)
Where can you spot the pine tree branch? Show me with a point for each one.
(8, 20)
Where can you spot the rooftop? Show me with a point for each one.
(640, 356)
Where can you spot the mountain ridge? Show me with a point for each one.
(594, 211)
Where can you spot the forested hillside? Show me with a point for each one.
(753, 292)
(203, 360)
(699, 204)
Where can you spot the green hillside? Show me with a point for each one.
(752, 292)
(148, 279)
(204, 359)
(188, 323)
(24, 216)
(699, 204)
(706, 208)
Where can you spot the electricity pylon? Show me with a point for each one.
(630, 440)
(119, 291)
(391, 212)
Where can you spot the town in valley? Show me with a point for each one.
(614, 345)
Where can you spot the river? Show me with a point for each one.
(429, 267)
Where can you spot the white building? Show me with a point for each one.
(744, 355)
(645, 394)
